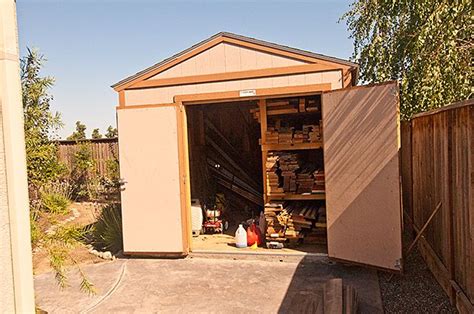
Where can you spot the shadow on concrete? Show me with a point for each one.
(306, 289)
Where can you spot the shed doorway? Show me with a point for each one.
(265, 169)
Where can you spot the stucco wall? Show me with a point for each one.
(7, 299)
(16, 282)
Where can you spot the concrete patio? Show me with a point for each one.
(205, 284)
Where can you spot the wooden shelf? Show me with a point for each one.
(296, 197)
(296, 146)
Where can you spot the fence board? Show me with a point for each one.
(441, 145)
(102, 150)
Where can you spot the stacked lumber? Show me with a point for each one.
(272, 136)
(313, 105)
(285, 173)
(288, 165)
(275, 228)
(277, 107)
(305, 178)
(319, 186)
(289, 106)
(272, 177)
(318, 234)
(287, 222)
(300, 136)
(289, 135)
(313, 132)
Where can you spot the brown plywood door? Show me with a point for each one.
(149, 165)
(361, 145)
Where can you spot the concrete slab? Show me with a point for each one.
(205, 285)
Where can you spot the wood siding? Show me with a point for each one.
(441, 170)
(361, 165)
(227, 57)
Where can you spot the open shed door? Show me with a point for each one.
(361, 143)
(149, 165)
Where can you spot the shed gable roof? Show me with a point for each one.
(225, 37)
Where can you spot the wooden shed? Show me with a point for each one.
(263, 124)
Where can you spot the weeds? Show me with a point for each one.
(55, 198)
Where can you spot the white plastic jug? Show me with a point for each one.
(241, 237)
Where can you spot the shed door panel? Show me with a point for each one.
(151, 208)
(361, 146)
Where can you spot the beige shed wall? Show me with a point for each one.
(226, 57)
(166, 94)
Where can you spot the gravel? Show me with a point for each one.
(416, 291)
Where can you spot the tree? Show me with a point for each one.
(111, 132)
(425, 45)
(41, 123)
(96, 134)
(43, 167)
(79, 133)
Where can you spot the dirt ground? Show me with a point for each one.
(87, 215)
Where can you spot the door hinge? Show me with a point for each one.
(394, 91)
(398, 263)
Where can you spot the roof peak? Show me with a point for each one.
(242, 38)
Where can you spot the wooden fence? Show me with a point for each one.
(438, 167)
(103, 149)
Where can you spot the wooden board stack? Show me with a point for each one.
(275, 229)
(286, 174)
(273, 179)
(272, 136)
(289, 135)
(318, 234)
(288, 222)
(319, 186)
(305, 178)
(288, 164)
(313, 131)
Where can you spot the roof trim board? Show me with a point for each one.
(239, 40)
(229, 76)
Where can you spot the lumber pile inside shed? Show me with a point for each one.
(309, 133)
(286, 173)
(289, 106)
(295, 221)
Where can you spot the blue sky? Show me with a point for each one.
(93, 44)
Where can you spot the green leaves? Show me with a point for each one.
(80, 133)
(425, 45)
(41, 124)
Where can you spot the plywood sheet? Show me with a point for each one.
(361, 148)
(148, 152)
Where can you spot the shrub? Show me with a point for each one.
(107, 233)
(81, 173)
(55, 198)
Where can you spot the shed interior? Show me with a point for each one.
(258, 163)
